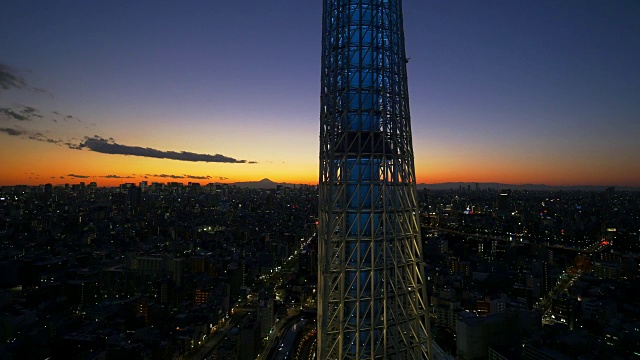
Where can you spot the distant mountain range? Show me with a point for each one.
(268, 184)
(262, 184)
(532, 187)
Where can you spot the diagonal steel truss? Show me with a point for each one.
(372, 295)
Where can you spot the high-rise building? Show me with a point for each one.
(372, 300)
(249, 337)
(266, 316)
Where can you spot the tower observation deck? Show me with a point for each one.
(371, 286)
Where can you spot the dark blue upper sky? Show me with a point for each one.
(547, 91)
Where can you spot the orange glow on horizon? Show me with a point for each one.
(37, 163)
(53, 176)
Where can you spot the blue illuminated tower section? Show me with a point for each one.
(371, 288)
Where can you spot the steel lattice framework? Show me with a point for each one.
(371, 299)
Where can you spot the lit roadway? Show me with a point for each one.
(286, 349)
(281, 327)
(276, 277)
(593, 248)
(562, 286)
(307, 347)
(476, 235)
(567, 280)
(212, 342)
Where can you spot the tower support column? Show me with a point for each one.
(371, 288)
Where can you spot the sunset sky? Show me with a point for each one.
(224, 91)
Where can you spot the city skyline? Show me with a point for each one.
(500, 92)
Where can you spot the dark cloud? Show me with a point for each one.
(11, 114)
(103, 176)
(185, 176)
(74, 146)
(78, 176)
(69, 117)
(166, 176)
(31, 111)
(12, 132)
(195, 177)
(9, 79)
(116, 177)
(43, 138)
(109, 146)
(32, 135)
(66, 117)
(41, 91)
(20, 113)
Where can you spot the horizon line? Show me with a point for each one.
(266, 180)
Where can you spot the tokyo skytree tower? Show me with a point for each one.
(371, 285)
